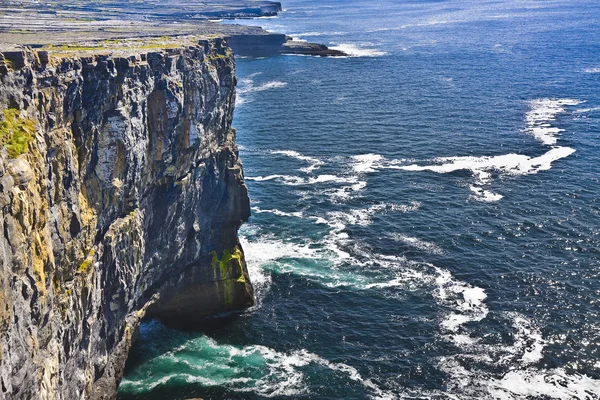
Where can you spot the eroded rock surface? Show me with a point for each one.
(126, 200)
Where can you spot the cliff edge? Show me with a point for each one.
(121, 193)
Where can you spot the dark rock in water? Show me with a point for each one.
(313, 49)
(124, 202)
(257, 45)
(268, 44)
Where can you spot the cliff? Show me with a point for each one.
(121, 193)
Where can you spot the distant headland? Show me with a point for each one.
(39, 24)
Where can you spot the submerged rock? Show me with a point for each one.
(125, 204)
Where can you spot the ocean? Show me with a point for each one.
(425, 213)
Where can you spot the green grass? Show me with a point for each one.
(16, 133)
(113, 45)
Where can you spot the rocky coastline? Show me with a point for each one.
(121, 189)
(37, 24)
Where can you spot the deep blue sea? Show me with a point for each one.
(425, 212)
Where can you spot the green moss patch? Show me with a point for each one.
(221, 268)
(16, 133)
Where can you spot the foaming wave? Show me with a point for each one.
(370, 162)
(356, 51)
(366, 163)
(539, 118)
(347, 192)
(258, 369)
(526, 348)
(337, 238)
(587, 110)
(544, 111)
(273, 255)
(511, 164)
(328, 262)
(595, 70)
(314, 162)
(302, 358)
(297, 214)
(555, 384)
(519, 384)
(364, 216)
(319, 34)
(250, 87)
(297, 180)
(247, 86)
(484, 195)
(528, 339)
(418, 243)
(467, 301)
(482, 167)
(521, 378)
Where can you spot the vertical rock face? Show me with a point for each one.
(123, 200)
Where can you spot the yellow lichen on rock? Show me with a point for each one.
(40, 257)
(84, 267)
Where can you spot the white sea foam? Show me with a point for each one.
(363, 216)
(302, 34)
(314, 162)
(468, 302)
(528, 340)
(554, 384)
(297, 180)
(594, 70)
(287, 179)
(483, 168)
(366, 163)
(297, 214)
(417, 243)
(523, 379)
(249, 86)
(518, 383)
(345, 193)
(269, 249)
(542, 113)
(246, 86)
(512, 164)
(484, 195)
(255, 368)
(356, 51)
(326, 263)
(587, 110)
(316, 264)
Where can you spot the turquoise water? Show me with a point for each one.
(425, 213)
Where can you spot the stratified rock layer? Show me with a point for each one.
(127, 200)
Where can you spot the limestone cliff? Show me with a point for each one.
(121, 194)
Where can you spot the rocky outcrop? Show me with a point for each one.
(310, 49)
(263, 43)
(257, 44)
(121, 194)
